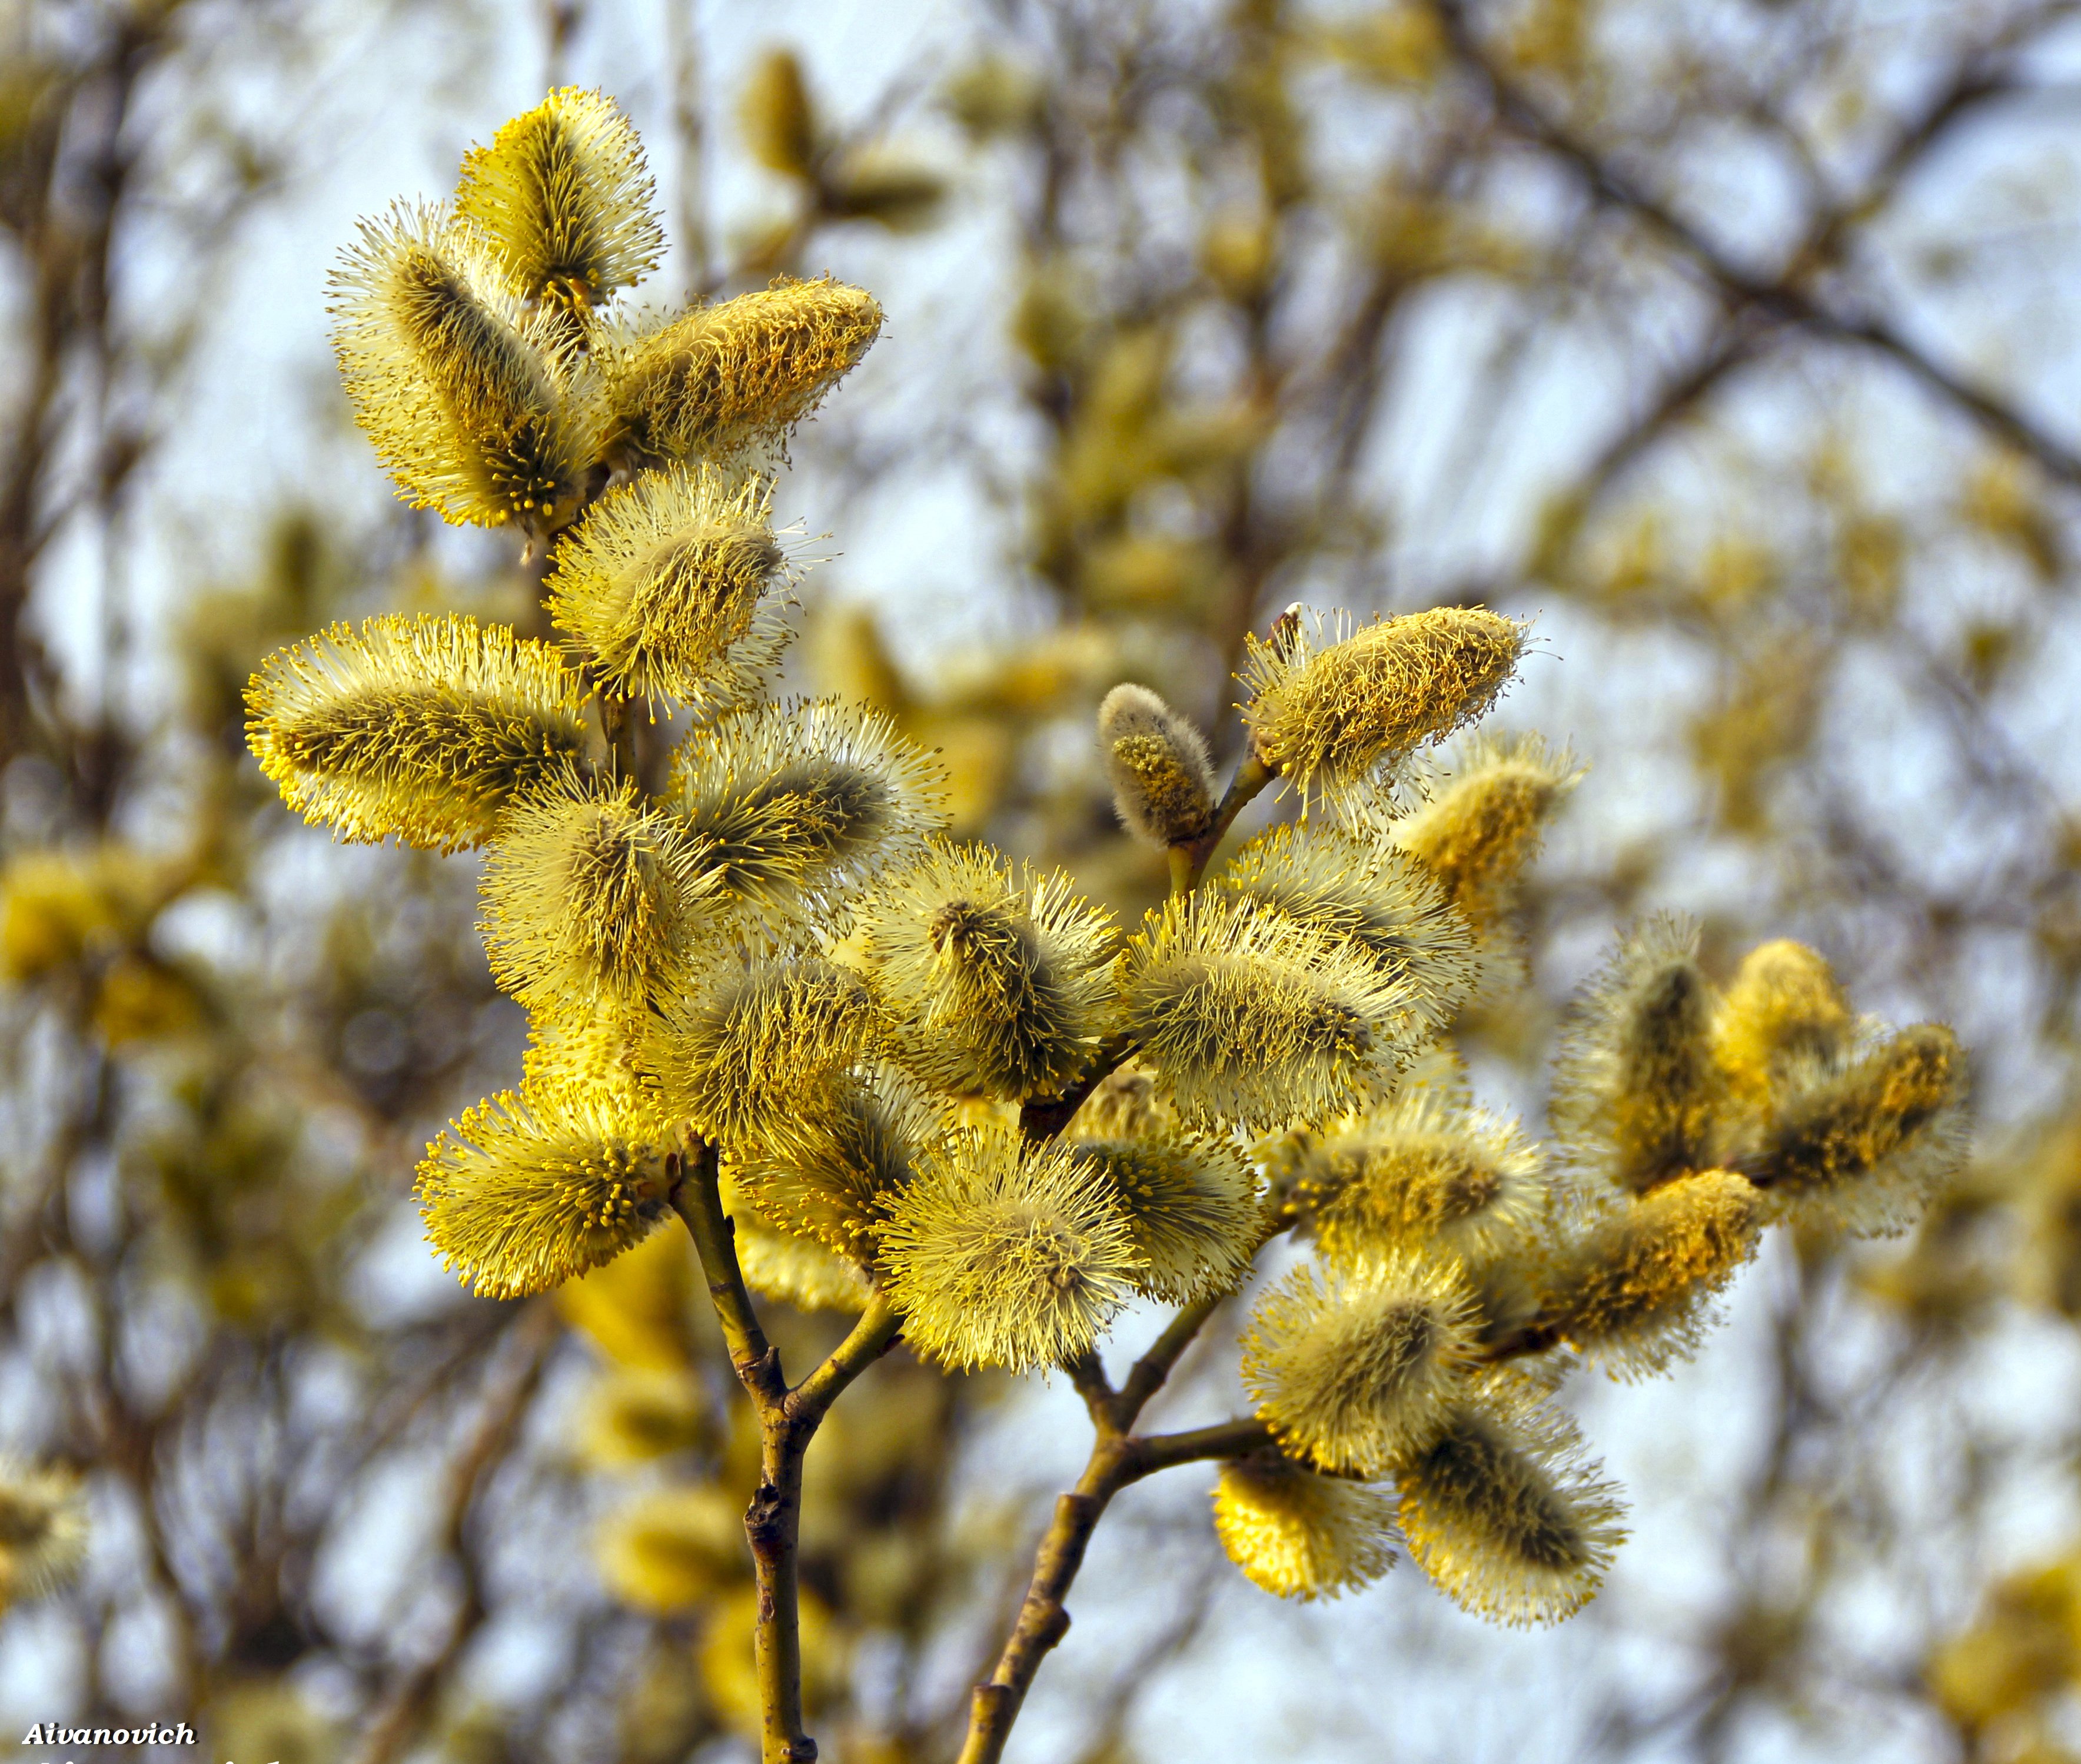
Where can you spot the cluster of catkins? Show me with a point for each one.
(767, 945)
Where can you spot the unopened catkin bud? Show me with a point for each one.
(1357, 1365)
(1632, 1292)
(1862, 1149)
(1785, 1014)
(1501, 1510)
(1637, 1097)
(1482, 819)
(1328, 713)
(1299, 1535)
(1163, 780)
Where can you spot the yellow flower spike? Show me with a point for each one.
(1502, 1510)
(1862, 1151)
(1248, 1016)
(1426, 1170)
(803, 802)
(1786, 1013)
(1324, 710)
(634, 1415)
(43, 1530)
(1191, 1203)
(565, 200)
(1482, 817)
(675, 1548)
(1004, 1254)
(753, 1039)
(1632, 1292)
(1638, 1098)
(1351, 1367)
(1369, 896)
(591, 899)
(530, 1188)
(1163, 780)
(1300, 1536)
(661, 582)
(798, 1271)
(830, 1169)
(469, 398)
(725, 379)
(425, 728)
(1000, 977)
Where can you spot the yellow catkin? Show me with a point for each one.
(752, 1038)
(727, 378)
(828, 1168)
(662, 580)
(798, 1271)
(1299, 1536)
(999, 976)
(43, 1530)
(591, 897)
(1163, 780)
(563, 196)
(530, 1188)
(1504, 1513)
(636, 1415)
(1632, 1291)
(424, 728)
(1000, 1253)
(1352, 1367)
(1483, 818)
(1637, 1097)
(802, 802)
(1786, 1013)
(1191, 1202)
(1327, 712)
(1425, 1171)
(1368, 896)
(1248, 1015)
(1862, 1149)
(468, 398)
(673, 1549)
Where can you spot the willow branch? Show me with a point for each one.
(697, 1200)
(872, 1338)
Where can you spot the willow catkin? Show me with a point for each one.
(591, 897)
(1426, 1171)
(1501, 1509)
(1862, 1151)
(564, 199)
(830, 1167)
(1190, 1201)
(802, 802)
(1631, 1291)
(1247, 1016)
(798, 1271)
(468, 396)
(999, 976)
(752, 1037)
(674, 1549)
(1480, 818)
(1003, 1253)
(662, 582)
(1638, 1097)
(424, 728)
(1786, 1013)
(723, 379)
(1354, 1366)
(1300, 1536)
(1162, 779)
(43, 1530)
(1369, 897)
(635, 1414)
(1327, 712)
(529, 1187)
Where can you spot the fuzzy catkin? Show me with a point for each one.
(725, 378)
(1191, 1203)
(1300, 1536)
(1482, 820)
(1785, 1011)
(999, 975)
(563, 198)
(425, 728)
(1162, 779)
(1328, 713)
(1004, 1254)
